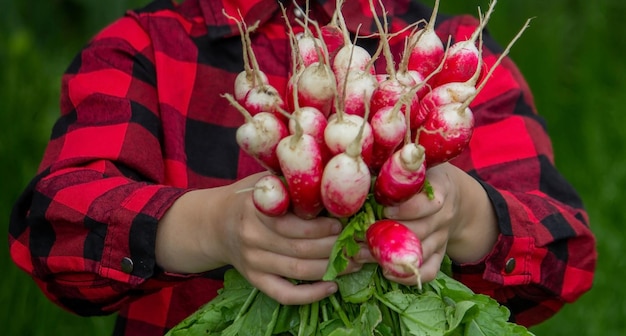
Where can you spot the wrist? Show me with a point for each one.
(477, 228)
(187, 237)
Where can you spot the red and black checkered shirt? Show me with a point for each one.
(142, 122)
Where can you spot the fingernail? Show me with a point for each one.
(391, 212)
(336, 229)
(332, 288)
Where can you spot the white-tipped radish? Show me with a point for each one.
(251, 76)
(341, 131)
(300, 160)
(346, 180)
(448, 128)
(396, 248)
(389, 127)
(259, 135)
(463, 56)
(402, 176)
(270, 196)
(317, 87)
(426, 48)
(357, 92)
(446, 132)
(391, 89)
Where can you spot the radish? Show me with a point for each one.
(331, 33)
(356, 91)
(396, 248)
(448, 128)
(251, 76)
(446, 132)
(259, 135)
(312, 121)
(401, 176)
(263, 98)
(308, 47)
(317, 87)
(270, 196)
(313, 76)
(459, 92)
(341, 131)
(388, 128)
(350, 57)
(252, 88)
(300, 160)
(390, 90)
(463, 56)
(427, 49)
(346, 180)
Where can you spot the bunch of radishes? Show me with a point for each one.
(343, 132)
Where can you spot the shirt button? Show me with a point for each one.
(509, 266)
(127, 265)
(298, 13)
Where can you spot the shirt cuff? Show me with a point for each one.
(129, 246)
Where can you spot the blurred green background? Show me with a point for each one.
(572, 56)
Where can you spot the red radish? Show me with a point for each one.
(270, 196)
(453, 92)
(446, 132)
(448, 128)
(259, 135)
(356, 92)
(396, 248)
(401, 176)
(356, 88)
(263, 98)
(312, 121)
(331, 33)
(300, 160)
(309, 49)
(346, 180)
(427, 49)
(390, 90)
(251, 76)
(389, 127)
(245, 82)
(344, 63)
(252, 89)
(463, 56)
(350, 57)
(459, 92)
(313, 79)
(317, 87)
(341, 131)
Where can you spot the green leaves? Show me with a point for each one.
(366, 303)
(347, 245)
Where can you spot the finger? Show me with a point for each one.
(300, 248)
(431, 266)
(418, 206)
(288, 293)
(364, 256)
(288, 267)
(291, 226)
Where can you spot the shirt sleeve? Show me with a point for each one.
(545, 255)
(85, 228)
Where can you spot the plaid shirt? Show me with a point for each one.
(142, 122)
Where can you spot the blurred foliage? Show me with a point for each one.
(572, 57)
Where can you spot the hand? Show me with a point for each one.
(459, 221)
(227, 229)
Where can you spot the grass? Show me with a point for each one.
(572, 57)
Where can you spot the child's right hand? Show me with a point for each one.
(209, 228)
